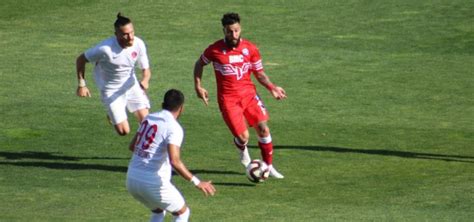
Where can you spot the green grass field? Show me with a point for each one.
(378, 124)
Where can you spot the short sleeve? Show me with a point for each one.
(256, 60)
(143, 61)
(206, 56)
(94, 54)
(175, 135)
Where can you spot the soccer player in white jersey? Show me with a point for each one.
(156, 150)
(115, 59)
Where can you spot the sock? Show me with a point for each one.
(266, 149)
(184, 217)
(270, 167)
(239, 145)
(158, 217)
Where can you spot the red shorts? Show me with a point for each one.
(237, 111)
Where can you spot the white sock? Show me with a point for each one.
(265, 140)
(184, 217)
(158, 217)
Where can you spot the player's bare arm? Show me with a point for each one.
(174, 154)
(200, 91)
(276, 91)
(82, 90)
(146, 76)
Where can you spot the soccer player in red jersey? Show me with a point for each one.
(234, 59)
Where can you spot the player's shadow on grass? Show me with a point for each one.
(225, 172)
(63, 162)
(24, 159)
(381, 152)
(68, 166)
(234, 184)
(50, 156)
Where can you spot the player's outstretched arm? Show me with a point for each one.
(205, 186)
(82, 90)
(276, 91)
(200, 91)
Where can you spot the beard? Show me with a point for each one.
(129, 43)
(232, 42)
(125, 43)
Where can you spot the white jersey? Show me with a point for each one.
(114, 65)
(150, 158)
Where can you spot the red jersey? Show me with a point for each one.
(232, 66)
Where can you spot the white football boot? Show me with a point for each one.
(274, 173)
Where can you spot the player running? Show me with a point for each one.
(115, 59)
(156, 149)
(234, 59)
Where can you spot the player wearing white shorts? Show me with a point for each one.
(115, 59)
(156, 150)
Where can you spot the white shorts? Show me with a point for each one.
(156, 195)
(116, 102)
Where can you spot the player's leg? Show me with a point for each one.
(141, 114)
(138, 102)
(157, 215)
(241, 142)
(157, 196)
(265, 142)
(138, 190)
(168, 198)
(182, 215)
(257, 116)
(118, 116)
(266, 147)
(232, 113)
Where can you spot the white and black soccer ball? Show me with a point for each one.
(257, 171)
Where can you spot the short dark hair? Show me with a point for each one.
(173, 100)
(121, 21)
(230, 18)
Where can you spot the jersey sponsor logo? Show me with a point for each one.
(229, 70)
(236, 58)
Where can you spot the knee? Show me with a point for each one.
(263, 130)
(243, 137)
(182, 215)
(181, 211)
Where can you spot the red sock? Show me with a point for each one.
(266, 149)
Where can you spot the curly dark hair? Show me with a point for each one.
(230, 18)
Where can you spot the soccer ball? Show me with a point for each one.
(257, 171)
